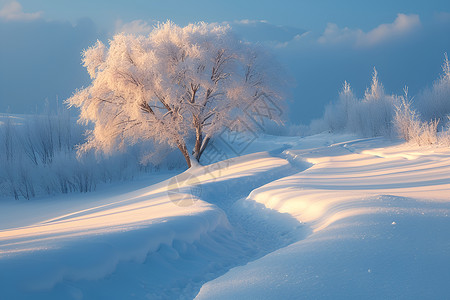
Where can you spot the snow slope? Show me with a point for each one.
(72, 254)
(162, 241)
(325, 216)
(379, 222)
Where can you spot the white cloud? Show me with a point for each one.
(12, 11)
(296, 39)
(261, 31)
(403, 25)
(247, 22)
(335, 35)
(133, 27)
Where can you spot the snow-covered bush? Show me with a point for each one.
(407, 121)
(409, 126)
(428, 133)
(38, 156)
(421, 126)
(444, 135)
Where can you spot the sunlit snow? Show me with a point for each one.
(321, 216)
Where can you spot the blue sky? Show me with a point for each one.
(320, 43)
(310, 14)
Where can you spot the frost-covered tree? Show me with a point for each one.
(175, 83)
(370, 116)
(377, 109)
(338, 115)
(434, 102)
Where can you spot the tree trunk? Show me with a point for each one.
(198, 144)
(184, 151)
(203, 147)
(198, 138)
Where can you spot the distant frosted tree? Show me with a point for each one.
(371, 115)
(434, 102)
(377, 109)
(338, 116)
(174, 83)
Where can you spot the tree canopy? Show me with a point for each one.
(175, 83)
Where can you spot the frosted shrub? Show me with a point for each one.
(38, 157)
(407, 121)
(428, 133)
(434, 107)
(409, 126)
(379, 114)
(444, 136)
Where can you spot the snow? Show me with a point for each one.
(379, 221)
(326, 216)
(93, 241)
(169, 239)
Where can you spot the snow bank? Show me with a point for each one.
(46, 257)
(343, 175)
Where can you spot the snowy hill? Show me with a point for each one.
(325, 216)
